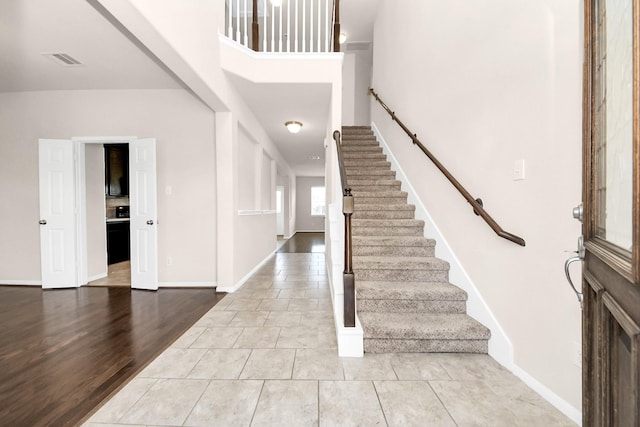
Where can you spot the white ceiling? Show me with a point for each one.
(30, 28)
(33, 27)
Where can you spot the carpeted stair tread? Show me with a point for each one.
(377, 173)
(385, 207)
(398, 263)
(361, 149)
(439, 326)
(387, 222)
(392, 241)
(393, 246)
(381, 193)
(422, 291)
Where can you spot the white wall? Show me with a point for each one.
(304, 220)
(184, 129)
(484, 84)
(356, 79)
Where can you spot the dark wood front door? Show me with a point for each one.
(611, 226)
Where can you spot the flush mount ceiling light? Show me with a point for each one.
(293, 127)
(276, 3)
(342, 38)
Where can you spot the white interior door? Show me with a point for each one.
(57, 213)
(143, 214)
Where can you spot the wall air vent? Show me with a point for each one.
(63, 59)
(358, 46)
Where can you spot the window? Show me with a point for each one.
(317, 201)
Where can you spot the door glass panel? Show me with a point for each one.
(613, 123)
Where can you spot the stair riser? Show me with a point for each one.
(372, 214)
(360, 188)
(410, 306)
(374, 345)
(352, 149)
(348, 156)
(412, 251)
(366, 164)
(402, 275)
(374, 183)
(358, 135)
(386, 231)
(361, 201)
(360, 143)
(371, 174)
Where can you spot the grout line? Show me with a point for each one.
(441, 402)
(375, 389)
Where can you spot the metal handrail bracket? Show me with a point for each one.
(478, 209)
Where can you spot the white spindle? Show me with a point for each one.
(311, 26)
(280, 24)
(264, 26)
(304, 25)
(273, 28)
(289, 27)
(327, 21)
(246, 17)
(238, 39)
(230, 30)
(319, 49)
(296, 31)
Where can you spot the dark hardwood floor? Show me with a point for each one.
(62, 352)
(304, 243)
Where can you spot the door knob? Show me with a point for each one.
(42, 222)
(578, 212)
(150, 222)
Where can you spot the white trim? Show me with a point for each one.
(10, 282)
(239, 283)
(299, 56)
(500, 347)
(250, 212)
(187, 285)
(562, 405)
(308, 231)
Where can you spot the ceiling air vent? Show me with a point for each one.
(63, 59)
(358, 46)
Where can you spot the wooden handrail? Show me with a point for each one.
(347, 210)
(336, 26)
(475, 203)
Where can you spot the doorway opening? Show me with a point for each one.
(106, 175)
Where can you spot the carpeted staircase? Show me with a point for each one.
(403, 296)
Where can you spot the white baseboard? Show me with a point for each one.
(21, 282)
(239, 283)
(562, 405)
(187, 284)
(97, 277)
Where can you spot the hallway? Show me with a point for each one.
(266, 356)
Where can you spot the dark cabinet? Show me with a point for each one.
(118, 249)
(116, 162)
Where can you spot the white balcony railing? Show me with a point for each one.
(285, 26)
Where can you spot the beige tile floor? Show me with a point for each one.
(266, 356)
